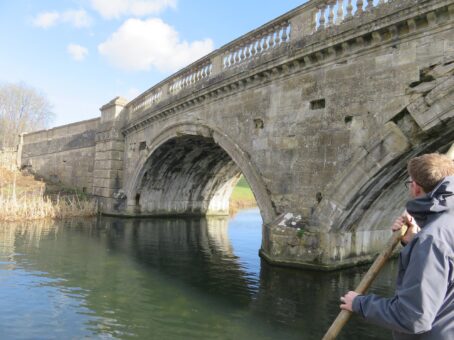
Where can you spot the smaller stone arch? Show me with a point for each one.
(209, 140)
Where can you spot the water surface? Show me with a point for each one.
(164, 279)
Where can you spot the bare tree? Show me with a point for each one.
(22, 109)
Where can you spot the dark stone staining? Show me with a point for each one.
(183, 175)
(83, 140)
(61, 144)
(348, 119)
(318, 104)
(424, 76)
(142, 146)
(258, 123)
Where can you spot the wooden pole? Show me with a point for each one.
(366, 281)
(371, 274)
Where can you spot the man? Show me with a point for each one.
(423, 304)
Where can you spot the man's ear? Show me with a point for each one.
(419, 191)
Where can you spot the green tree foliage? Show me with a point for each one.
(22, 109)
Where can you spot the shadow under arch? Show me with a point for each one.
(208, 139)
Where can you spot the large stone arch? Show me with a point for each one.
(351, 223)
(210, 140)
(369, 193)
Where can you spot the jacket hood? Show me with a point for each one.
(438, 200)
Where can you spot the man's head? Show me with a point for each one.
(427, 171)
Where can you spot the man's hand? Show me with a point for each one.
(409, 221)
(347, 300)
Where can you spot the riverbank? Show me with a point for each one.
(23, 198)
(242, 197)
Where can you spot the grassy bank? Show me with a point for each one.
(24, 198)
(242, 197)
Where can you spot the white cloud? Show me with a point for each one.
(46, 19)
(76, 18)
(111, 9)
(77, 52)
(141, 44)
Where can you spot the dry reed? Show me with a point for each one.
(29, 203)
(34, 206)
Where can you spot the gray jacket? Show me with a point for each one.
(423, 304)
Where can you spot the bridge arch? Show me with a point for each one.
(192, 169)
(369, 194)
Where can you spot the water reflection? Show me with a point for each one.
(163, 279)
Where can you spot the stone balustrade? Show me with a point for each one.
(191, 77)
(310, 18)
(252, 47)
(145, 101)
(334, 12)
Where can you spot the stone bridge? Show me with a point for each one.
(319, 109)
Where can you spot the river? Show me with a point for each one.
(172, 278)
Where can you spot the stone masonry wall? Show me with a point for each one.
(64, 154)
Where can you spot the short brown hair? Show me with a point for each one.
(428, 170)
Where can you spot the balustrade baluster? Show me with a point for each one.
(271, 42)
(277, 36)
(226, 59)
(260, 47)
(322, 16)
(230, 59)
(349, 9)
(247, 51)
(331, 12)
(284, 32)
(359, 6)
(340, 11)
(265, 42)
(254, 48)
(236, 59)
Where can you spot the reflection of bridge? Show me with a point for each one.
(319, 109)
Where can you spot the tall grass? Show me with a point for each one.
(34, 206)
(30, 207)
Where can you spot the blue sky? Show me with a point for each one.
(82, 53)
